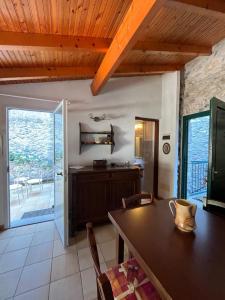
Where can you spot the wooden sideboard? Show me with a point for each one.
(94, 192)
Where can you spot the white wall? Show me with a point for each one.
(169, 125)
(121, 100)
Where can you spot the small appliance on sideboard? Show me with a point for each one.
(99, 163)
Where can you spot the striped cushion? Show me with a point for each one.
(129, 282)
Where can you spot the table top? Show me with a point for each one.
(185, 265)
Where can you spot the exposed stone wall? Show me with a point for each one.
(204, 78)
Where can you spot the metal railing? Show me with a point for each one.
(197, 177)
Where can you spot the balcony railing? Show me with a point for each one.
(197, 177)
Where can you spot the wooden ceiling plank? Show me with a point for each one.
(125, 38)
(211, 8)
(55, 72)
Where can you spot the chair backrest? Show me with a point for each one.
(103, 284)
(93, 248)
(135, 200)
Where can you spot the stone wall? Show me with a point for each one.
(204, 78)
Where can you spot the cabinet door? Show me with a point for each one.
(121, 189)
(92, 200)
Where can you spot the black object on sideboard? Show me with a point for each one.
(94, 192)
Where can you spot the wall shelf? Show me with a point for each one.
(107, 138)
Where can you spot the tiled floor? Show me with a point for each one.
(34, 265)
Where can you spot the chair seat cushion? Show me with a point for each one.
(129, 282)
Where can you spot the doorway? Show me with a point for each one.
(146, 152)
(30, 166)
(195, 155)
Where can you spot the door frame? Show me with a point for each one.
(6, 212)
(156, 153)
(64, 105)
(184, 157)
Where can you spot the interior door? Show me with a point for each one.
(61, 171)
(216, 173)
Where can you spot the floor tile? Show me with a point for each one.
(81, 240)
(56, 234)
(68, 288)
(104, 233)
(60, 250)
(85, 258)
(88, 278)
(37, 294)
(3, 245)
(13, 260)
(34, 276)
(8, 283)
(64, 265)
(23, 230)
(45, 226)
(111, 263)
(39, 253)
(19, 242)
(108, 250)
(7, 234)
(42, 237)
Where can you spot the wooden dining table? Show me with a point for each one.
(181, 265)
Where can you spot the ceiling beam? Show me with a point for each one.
(127, 35)
(211, 8)
(171, 48)
(8, 74)
(38, 41)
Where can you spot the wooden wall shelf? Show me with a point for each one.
(107, 135)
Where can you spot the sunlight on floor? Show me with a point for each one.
(30, 206)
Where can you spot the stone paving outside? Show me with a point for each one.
(40, 197)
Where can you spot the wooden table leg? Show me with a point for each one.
(119, 249)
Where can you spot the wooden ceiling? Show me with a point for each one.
(45, 39)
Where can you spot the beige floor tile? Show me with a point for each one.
(42, 237)
(104, 233)
(34, 276)
(68, 288)
(108, 250)
(19, 242)
(45, 226)
(88, 278)
(23, 230)
(37, 294)
(81, 240)
(8, 283)
(85, 258)
(60, 250)
(39, 253)
(56, 234)
(13, 260)
(111, 263)
(64, 265)
(3, 245)
(7, 233)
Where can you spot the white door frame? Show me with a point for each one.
(5, 158)
(63, 104)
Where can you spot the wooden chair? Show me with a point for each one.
(109, 283)
(104, 290)
(137, 200)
